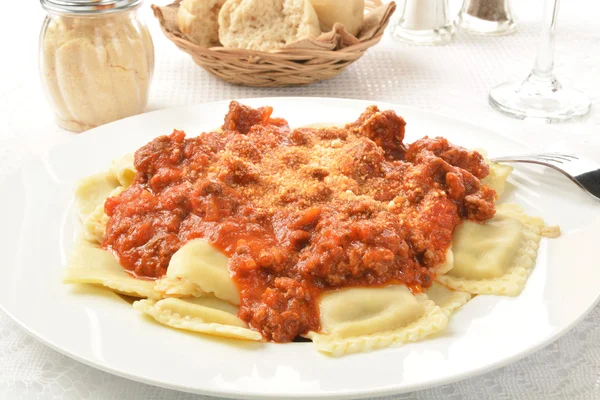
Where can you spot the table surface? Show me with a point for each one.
(452, 79)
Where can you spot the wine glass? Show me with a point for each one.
(541, 95)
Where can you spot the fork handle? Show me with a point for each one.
(591, 181)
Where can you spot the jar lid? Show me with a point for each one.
(88, 7)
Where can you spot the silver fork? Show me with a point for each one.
(584, 172)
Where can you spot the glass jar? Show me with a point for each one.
(96, 61)
(487, 17)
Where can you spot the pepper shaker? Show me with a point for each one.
(487, 17)
(424, 22)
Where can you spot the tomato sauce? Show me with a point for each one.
(300, 211)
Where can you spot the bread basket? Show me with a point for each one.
(300, 63)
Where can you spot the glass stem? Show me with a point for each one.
(544, 63)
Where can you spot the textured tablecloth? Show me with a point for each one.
(452, 79)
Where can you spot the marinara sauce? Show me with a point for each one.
(300, 211)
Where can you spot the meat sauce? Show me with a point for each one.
(300, 211)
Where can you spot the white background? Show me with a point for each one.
(453, 79)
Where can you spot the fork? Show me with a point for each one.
(582, 171)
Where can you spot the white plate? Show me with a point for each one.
(37, 229)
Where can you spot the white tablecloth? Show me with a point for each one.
(452, 79)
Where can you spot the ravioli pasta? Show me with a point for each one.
(207, 315)
(448, 263)
(94, 223)
(364, 311)
(89, 263)
(365, 319)
(447, 299)
(498, 177)
(124, 170)
(198, 294)
(91, 192)
(198, 268)
(496, 257)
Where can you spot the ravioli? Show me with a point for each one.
(225, 178)
(94, 224)
(124, 170)
(447, 299)
(196, 268)
(448, 263)
(363, 311)
(498, 176)
(89, 263)
(205, 314)
(496, 257)
(365, 319)
(90, 195)
(486, 250)
(92, 191)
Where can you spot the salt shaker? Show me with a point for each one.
(488, 17)
(424, 22)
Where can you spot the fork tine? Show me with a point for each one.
(567, 156)
(532, 159)
(547, 157)
(554, 157)
(540, 157)
(575, 168)
(527, 158)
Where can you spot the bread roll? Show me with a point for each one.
(198, 21)
(266, 24)
(349, 13)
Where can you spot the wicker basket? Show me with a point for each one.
(299, 63)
